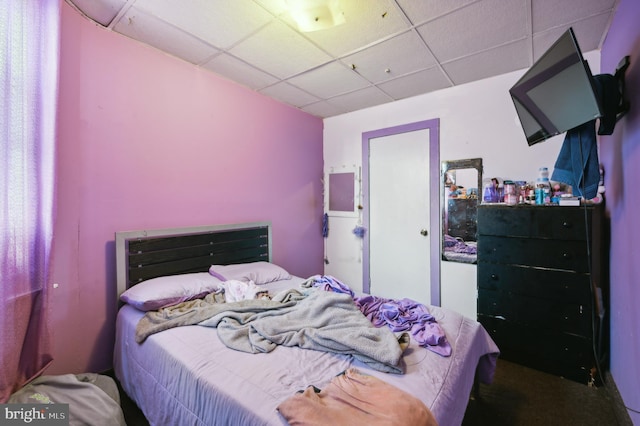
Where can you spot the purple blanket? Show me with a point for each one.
(406, 315)
(399, 315)
(458, 246)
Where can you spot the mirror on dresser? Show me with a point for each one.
(461, 182)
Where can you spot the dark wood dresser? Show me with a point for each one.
(543, 286)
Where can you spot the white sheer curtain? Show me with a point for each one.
(29, 39)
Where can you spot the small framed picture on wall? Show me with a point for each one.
(342, 187)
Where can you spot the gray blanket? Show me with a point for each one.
(195, 311)
(323, 321)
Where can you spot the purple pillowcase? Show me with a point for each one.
(156, 293)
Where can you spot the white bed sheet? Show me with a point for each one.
(186, 376)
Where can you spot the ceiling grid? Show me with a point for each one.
(399, 48)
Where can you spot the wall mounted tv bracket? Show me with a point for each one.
(623, 106)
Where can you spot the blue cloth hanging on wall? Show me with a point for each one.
(578, 164)
(325, 225)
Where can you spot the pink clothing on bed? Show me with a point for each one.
(356, 399)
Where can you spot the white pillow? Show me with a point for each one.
(156, 293)
(258, 272)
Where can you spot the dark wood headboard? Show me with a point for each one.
(145, 254)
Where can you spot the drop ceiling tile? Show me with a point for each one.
(424, 81)
(489, 63)
(221, 23)
(101, 11)
(547, 14)
(589, 32)
(239, 71)
(364, 98)
(289, 94)
(587, 38)
(389, 59)
(329, 80)
(280, 51)
(324, 109)
(479, 26)
(426, 10)
(275, 7)
(157, 33)
(367, 22)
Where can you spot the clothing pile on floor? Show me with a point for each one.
(93, 398)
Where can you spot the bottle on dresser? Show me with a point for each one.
(543, 187)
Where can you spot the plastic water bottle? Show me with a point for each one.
(543, 173)
(543, 191)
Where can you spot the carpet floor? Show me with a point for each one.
(521, 396)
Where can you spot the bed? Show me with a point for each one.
(187, 375)
(457, 250)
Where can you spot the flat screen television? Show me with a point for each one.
(557, 93)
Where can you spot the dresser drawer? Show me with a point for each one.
(542, 314)
(548, 284)
(556, 353)
(567, 255)
(555, 222)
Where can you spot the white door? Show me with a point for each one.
(399, 204)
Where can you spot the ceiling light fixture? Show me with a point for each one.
(314, 15)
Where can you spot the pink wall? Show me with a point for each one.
(149, 141)
(620, 154)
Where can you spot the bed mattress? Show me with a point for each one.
(187, 376)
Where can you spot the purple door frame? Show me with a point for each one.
(433, 126)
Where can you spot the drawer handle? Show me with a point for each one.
(566, 255)
(566, 224)
(494, 277)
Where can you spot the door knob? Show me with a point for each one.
(424, 232)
